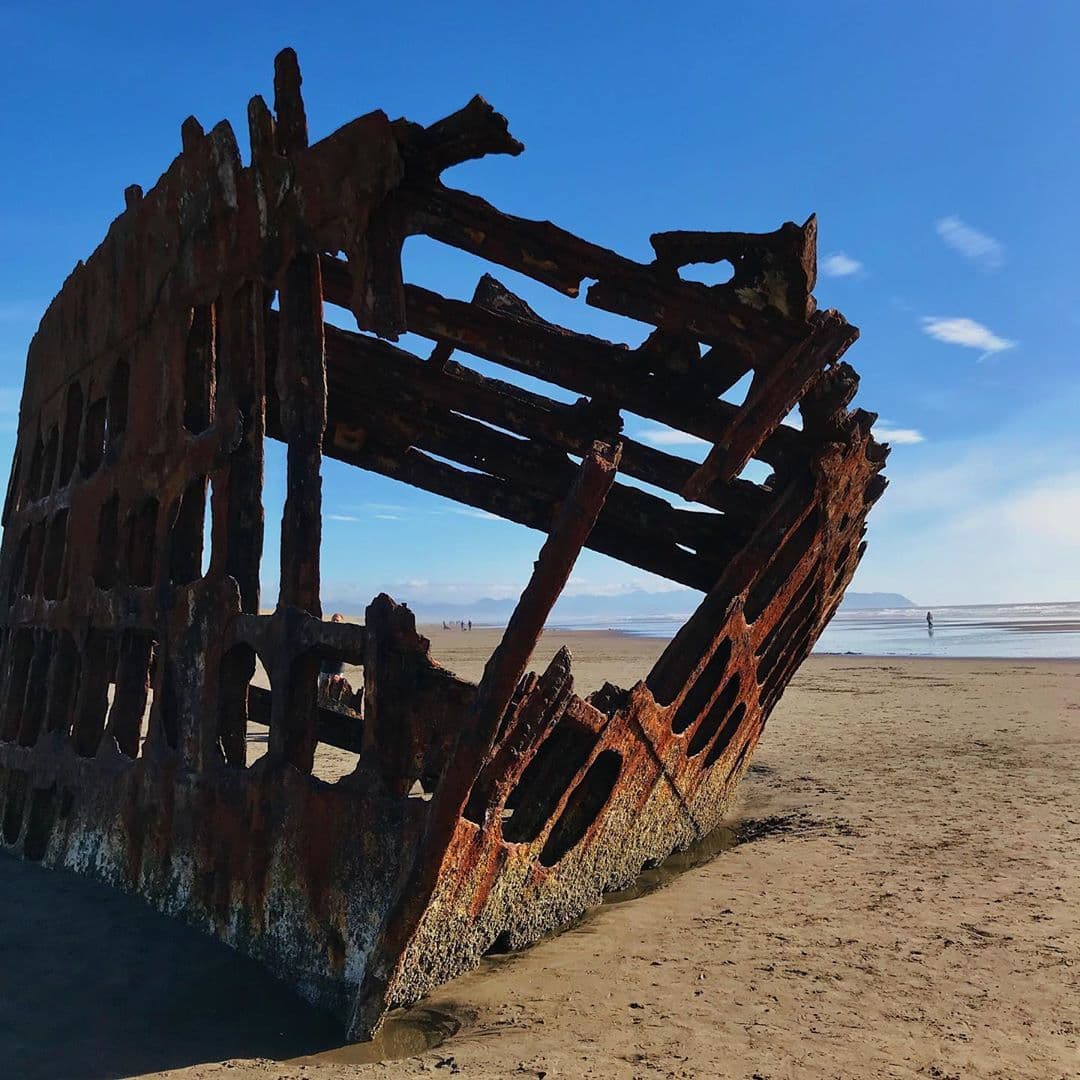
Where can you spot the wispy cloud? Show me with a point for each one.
(670, 437)
(981, 248)
(966, 332)
(384, 508)
(897, 436)
(839, 264)
(357, 518)
(990, 516)
(380, 511)
(650, 583)
(472, 512)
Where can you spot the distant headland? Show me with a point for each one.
(589, 607)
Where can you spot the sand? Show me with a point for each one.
(906, 904)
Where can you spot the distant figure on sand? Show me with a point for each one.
(930, 623)
(331, 669)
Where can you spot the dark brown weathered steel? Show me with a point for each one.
(194, 332)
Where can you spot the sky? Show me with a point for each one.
(935, 142)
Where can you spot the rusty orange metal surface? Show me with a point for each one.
(477, 814)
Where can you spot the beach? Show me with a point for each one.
(900, 897)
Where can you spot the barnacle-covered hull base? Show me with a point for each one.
(477, 814)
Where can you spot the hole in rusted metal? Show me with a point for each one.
(132, 697)
(332, 763)
(275, 486)
(302, 711)
(773, 647)
(34, 704)
(187, 532)
(207, 550)
(711, 721)
(703, 689)
(99, 665)
(21, 652)
(33, 476)
(199, 366)
(34, 555)
(142, 533)
(736, 393)
(583, 807)
(69, 453)
(544, 781)
(237, 669)
(108, 543)
(726, 734)
(63, 684)
(55, 548)
(48, 462)
(93, 442)
(708, 273)
(118, 404)
(780, 568)
(17, 569)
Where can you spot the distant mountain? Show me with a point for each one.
(581, 607)
(587, 607)
(859, 600)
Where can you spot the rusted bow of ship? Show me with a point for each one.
(477, 814)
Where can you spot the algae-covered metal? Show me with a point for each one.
(194, 332)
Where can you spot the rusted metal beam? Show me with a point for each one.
(569, 532)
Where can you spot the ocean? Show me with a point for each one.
(1044, 631)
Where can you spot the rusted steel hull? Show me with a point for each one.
(194, 332)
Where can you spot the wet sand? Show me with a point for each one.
(906, 903)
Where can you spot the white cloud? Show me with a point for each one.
(840, 265)
(966, 332)
(898, 436)
(648, 583)
(988, 517)
(981, 248)
(670, 437)
(472, 512)
(356, 518)
(384, 508)
(1048, 512)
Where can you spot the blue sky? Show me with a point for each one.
(936, 143)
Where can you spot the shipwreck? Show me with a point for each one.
(478, 815)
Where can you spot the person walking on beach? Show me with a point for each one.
(330, 670)
(930, 622)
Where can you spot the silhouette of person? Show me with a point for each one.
(930, 623)
(330, 670)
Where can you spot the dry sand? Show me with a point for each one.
(910, 908)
